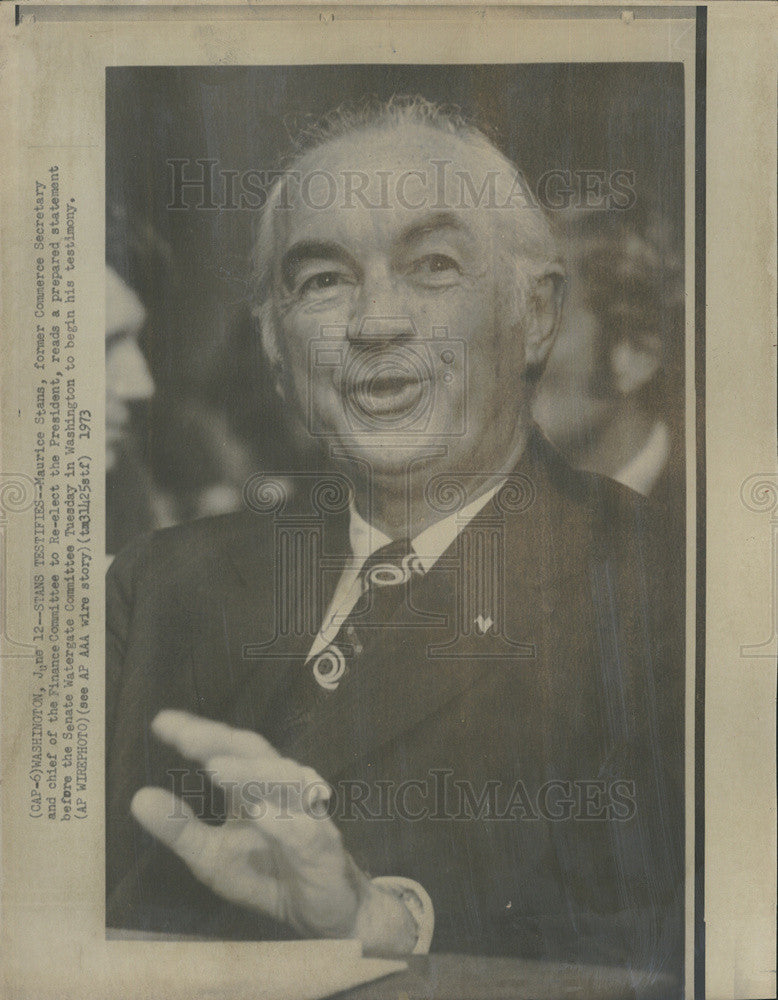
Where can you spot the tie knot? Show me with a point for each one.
(392, 564)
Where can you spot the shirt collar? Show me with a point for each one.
(430, 544)
(644, 469)
(364, 538)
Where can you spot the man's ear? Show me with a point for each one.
(265, 321)
(544, 313)
(635, 362)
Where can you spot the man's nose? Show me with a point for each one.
(381, 311)
(127, 373)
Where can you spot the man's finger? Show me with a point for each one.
(224, 865)
(252, 781)
(172, 822)
(200, 739)
(304, 834)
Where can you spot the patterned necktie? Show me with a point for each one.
(382, 581)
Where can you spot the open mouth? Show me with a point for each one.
(389, 393)
(385, 387)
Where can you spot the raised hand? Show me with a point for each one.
(277, 851)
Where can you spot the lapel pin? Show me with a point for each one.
(484, 624)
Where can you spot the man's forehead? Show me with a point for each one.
(387, 182)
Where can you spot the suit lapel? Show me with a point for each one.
(393, 686)
(255, 618)
(412, 672)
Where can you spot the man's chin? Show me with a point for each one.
(389, 454)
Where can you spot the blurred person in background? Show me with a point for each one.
(127, 376)
(611, 398)
(136, 261)
(173, 453)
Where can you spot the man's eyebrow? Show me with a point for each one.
(432, 224)
(305, 250)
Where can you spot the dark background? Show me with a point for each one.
(200, 342)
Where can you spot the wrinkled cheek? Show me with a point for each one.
(296, 345)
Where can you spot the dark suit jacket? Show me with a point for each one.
(575, 692)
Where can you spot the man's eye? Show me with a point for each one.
(435, 265)
(322, 282)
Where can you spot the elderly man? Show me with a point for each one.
(442, 683)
